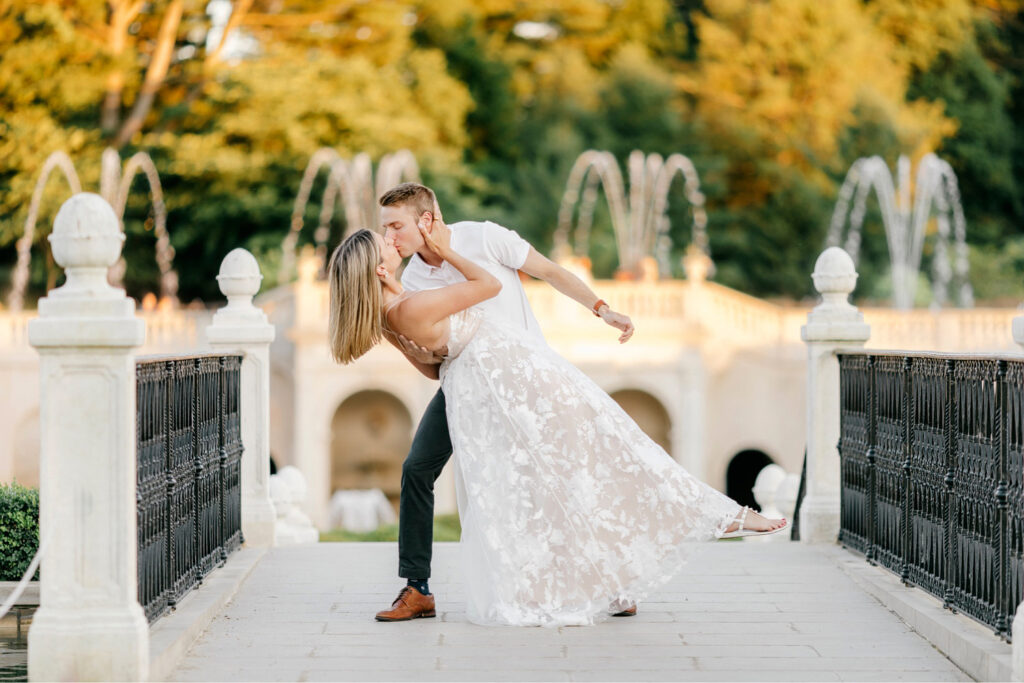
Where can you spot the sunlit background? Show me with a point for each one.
(772, 101)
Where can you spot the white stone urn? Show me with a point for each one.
(765, 487)
(288, 493)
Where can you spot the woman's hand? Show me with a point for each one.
(439, 237)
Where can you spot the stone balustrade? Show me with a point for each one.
(710, 313)
(90, 625)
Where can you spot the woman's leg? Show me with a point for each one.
(752, 521)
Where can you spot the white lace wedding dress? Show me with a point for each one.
(567, 506)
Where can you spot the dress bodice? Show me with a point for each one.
(462, 326)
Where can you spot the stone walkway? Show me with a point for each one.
(738, 611)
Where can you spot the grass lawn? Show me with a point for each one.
(446, 528)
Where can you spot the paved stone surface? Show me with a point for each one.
(738, 611)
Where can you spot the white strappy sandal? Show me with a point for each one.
(741, 531)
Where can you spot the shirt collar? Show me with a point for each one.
(420, 263)
(431, 270)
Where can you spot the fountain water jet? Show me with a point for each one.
(905, 223)
(114, 188)
(57, 160)
(353, 180)
(640, 224)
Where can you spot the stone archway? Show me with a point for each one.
(370, 436)
(649, 413)
(741, 475)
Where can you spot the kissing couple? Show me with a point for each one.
(569, 511)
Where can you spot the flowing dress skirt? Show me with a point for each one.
(567, 507)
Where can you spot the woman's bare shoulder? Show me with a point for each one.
(409, 318)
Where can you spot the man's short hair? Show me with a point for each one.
(417, 197)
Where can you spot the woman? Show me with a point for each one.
(567, 507)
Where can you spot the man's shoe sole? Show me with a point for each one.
(424, 615)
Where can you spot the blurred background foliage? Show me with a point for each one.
(772, 99)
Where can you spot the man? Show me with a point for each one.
(404, 209)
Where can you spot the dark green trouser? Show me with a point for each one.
(430, 450)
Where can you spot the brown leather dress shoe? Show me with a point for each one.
(628, 612)
(410, 604)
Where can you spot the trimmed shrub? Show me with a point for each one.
(446, 528)
(19, 530)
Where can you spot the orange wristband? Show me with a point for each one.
(598, 305)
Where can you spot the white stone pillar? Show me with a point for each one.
(240, 327)
(1018, 620)
(832, 326)
(90, 626)
(1018, 330)
(1018, 639)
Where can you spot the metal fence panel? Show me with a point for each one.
(189, 455)
(932, 467)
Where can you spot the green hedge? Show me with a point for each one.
(19, 530)
(446, 528)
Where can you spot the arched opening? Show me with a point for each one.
(370, 436)
(741, 475)
(649, 415)
(26, 451)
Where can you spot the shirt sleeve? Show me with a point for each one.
(505, 246)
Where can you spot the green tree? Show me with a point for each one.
(230, 136)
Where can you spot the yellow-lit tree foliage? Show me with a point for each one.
(790, 72)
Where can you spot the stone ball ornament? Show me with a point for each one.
(239, 274)
(834, 272)
(86, 233)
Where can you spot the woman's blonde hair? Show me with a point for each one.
(355, 324)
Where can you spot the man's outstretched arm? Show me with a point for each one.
(541, 267)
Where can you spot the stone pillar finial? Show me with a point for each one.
(835, 318)
(834, 324)
(835, 278)
(241, 327)
(697, 265)
(239, 280)
(86, 240)
(309, 264)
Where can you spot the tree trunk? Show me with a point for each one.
(121, 16)
(155, 74)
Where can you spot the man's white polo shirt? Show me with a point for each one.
(501, 251)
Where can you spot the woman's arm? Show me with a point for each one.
(423, 317)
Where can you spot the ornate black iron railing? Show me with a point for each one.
(189, 448)
(931, 458)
